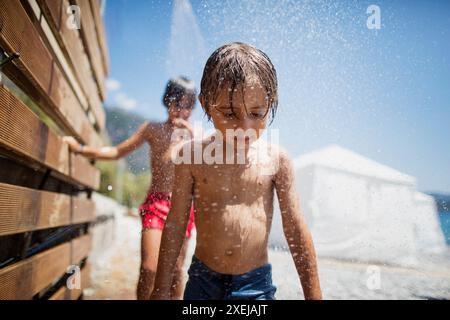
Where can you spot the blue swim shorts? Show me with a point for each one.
(206, 284)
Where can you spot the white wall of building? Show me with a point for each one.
(359, 210)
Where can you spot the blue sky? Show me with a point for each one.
(382, 93)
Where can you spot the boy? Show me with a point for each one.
(234, 201)
(179, 99)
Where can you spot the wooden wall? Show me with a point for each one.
(55, 88)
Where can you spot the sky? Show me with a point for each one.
(383, 93)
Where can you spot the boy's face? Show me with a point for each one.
(252, 114)
(182, 109)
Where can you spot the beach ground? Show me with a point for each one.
(114, 274)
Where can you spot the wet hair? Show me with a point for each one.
(235, 65)
(177, 88)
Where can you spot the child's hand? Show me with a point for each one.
(183, 124)
(74, 146)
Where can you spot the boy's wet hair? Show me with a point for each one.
(177, 88)
(235, 65)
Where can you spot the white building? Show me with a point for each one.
(361, 210)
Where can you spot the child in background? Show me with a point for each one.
(179, 99)
(234, 201)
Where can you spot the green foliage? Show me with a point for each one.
(127, 188)
(108, 170)
(129, 180)
(135, 188)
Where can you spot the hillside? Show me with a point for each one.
(120, 125)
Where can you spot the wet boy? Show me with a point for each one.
(179, 99)
(234, 199)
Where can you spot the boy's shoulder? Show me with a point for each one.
(154, 127)
(285, 172)
(276, 158)
(154, 124)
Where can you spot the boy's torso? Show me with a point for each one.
(162, 167)
(234, 207)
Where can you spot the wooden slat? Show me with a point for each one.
(80, 248)
(64, 293)
(91, 45)
(72, 46)
(82, 170)
(83, 210)
(49, 87)
(22, 132)
(101, 34)
(60, 294)
(28, 277)
(23, 209)
(86, 276)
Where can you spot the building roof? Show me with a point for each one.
(339, 158)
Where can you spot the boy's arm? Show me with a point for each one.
(114, 152)
(295, 229)
(174, 231)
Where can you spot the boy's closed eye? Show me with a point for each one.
(259, 113)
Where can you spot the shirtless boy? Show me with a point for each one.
(179, 99)
(233, 199)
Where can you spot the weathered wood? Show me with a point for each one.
(91, 45)
(23, 209)
(80, 248)
(65, 293)
(101, 34)
(39, 75)
(81, 170)
(83, 210)
(60, 294)
(26, 278)
(23, 133)
(70, 42)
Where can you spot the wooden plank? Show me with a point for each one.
(41, 24)
(65, 293)
(72, 46)
(25, 135)
(101, 34)
(80, 248)
(23, 209)
(28, 277)
(83, 210)
(60, 294)
(91, 45)
(82, 170)
(39, 75)
(22, 132)
(86, 276)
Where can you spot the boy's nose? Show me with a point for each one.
(246, 124)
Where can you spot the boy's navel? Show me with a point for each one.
(229, 252)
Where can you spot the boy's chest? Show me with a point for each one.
(162, 142)
(231, 180)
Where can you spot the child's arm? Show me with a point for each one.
(114, 152)
(174, 231)
(295, 229)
